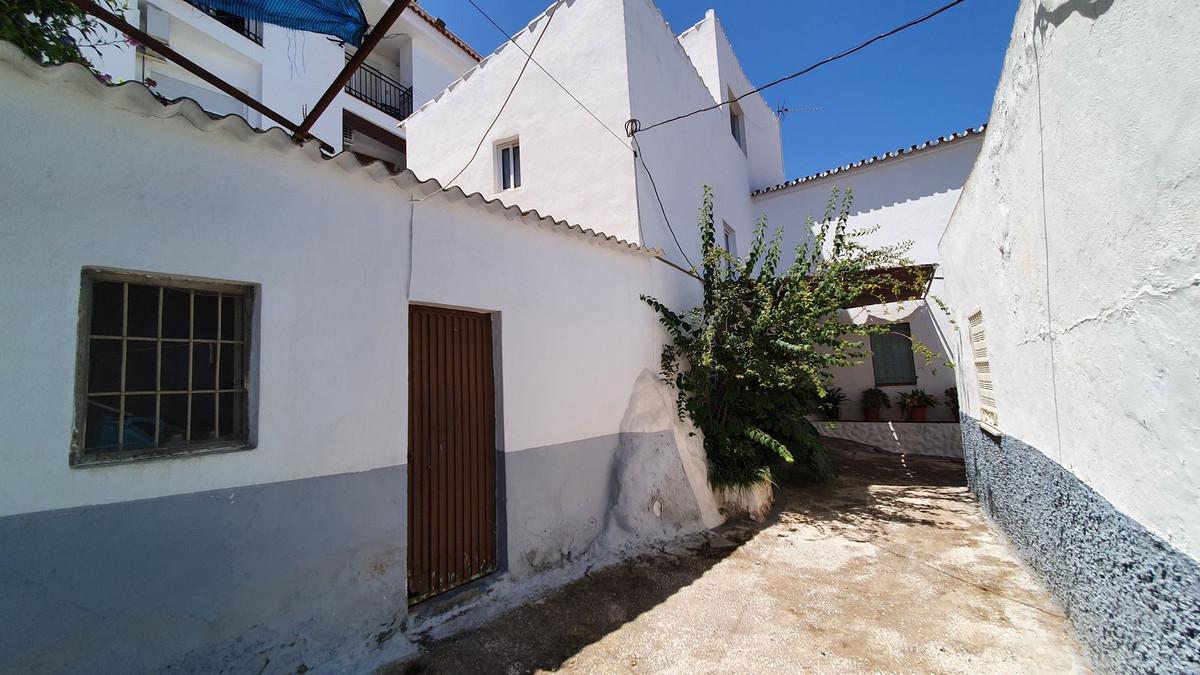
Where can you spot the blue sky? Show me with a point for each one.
(925, 82)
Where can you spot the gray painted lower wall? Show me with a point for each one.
(254, 579)
(267, 578)
(1134, 599)
(596, 494)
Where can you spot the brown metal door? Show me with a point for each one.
(451, 450)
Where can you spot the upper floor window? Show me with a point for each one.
(892, 356)
(508, 158)
(730, 240)
(737, 123)
(163, 369)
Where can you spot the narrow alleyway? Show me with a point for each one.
(890, 567)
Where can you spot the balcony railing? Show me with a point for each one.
(251, 29)
(370, 85)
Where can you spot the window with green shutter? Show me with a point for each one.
(892, 356)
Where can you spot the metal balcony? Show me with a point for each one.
(370, 85)
(251, 29)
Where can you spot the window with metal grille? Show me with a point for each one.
(892, 356)
(989, 419)
(163, 367)
(509, 158)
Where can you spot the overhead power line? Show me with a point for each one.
(818, 64)
(529, 57)
(575, 98)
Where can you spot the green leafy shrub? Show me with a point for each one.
(917, 398)
(830, 404)
(876, 398)
(952, 397)
(758, 354)
(52, 31)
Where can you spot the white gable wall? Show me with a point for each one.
(685, 155)
(711, 52)
(571, 166)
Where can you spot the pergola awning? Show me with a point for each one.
(896, 284)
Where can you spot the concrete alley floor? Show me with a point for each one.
(890, 567)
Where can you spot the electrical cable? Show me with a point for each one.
(529, 57)
(640, 156)
(814, 66)
(511, 39)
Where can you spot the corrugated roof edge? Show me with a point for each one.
(137, 98)
(939, 142)
(440, 26)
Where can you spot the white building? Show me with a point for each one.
(910, 194)
(544, 150)
(288, 71)
(224, 426)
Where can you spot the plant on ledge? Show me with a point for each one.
(830, 404)
(915, 403)
(952, 400)
(873, 400)
(758, 355)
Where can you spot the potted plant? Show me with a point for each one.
(916, 403)
(872, 400)
(952, 400)
(830, 404)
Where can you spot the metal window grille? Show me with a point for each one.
(164, 367)
(250, 29)
(892, 356)
(510, 166)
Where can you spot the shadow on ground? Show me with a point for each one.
(889, 566)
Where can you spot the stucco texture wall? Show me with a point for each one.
(1089, 274)
(565, 153)
(1076, 236)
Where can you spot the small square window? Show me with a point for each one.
(163, 367)
(508, 156)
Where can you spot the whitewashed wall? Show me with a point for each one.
(79, 192)
(575, 335)
(305, 533)
(683, 156)
(712, 54)
(911, 199)
(571, 166)
(1088, 283)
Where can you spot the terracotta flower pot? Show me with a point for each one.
(916, 414)
(871, 414)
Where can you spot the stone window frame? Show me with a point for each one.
(248, 294)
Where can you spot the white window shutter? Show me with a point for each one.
(988, 416)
